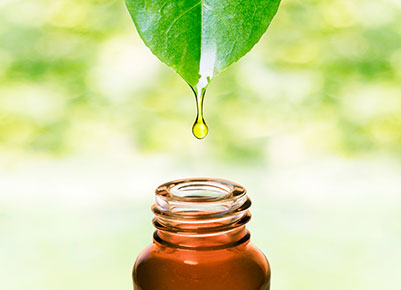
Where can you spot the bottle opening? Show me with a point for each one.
(200, 191)
(200, 205)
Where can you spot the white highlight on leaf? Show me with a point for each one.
(206, 66)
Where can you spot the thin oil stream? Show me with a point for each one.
(206, 71)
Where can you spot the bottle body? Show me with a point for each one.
(242, 267)
(202, 259)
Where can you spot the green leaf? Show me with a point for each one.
(199, 39)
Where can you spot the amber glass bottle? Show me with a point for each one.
(201, 242)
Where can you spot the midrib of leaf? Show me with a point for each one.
(208, 66)
(207, 57)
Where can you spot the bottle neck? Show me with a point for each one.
(201, 213)
(215, 241)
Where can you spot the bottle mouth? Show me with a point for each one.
(200, 205)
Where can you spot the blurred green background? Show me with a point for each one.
(91, 122)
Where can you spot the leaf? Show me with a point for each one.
(199, 39)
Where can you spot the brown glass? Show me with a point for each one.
(201, 242)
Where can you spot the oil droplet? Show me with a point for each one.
(200, 129)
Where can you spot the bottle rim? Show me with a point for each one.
(200, 205)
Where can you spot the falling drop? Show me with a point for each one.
(200, 129)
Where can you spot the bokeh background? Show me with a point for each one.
(91, 123)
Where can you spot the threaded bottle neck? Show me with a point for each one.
(197, 211)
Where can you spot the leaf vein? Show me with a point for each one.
(182, 15)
